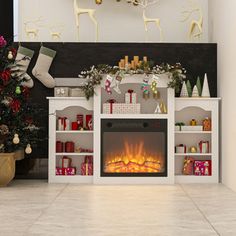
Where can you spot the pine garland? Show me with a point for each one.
(176, 73)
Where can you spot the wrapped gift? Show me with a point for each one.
(204, 147)
(63, 124)
(202, 168)
(66, 171)
(61, 92)
(130, 97)
(188, 166)
(80, 120)
(181, 148)
(121, 108)
(87, 166)
(70, 147)
(66, 162)
(76, 92)
(89, 122)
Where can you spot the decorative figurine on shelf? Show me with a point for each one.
(206, 124)
(158, 109)
(163, 107)
(193, 122)
(193, 149)
(188, 166)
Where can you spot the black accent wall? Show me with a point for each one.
(6, 19)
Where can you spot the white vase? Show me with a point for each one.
(205, 88)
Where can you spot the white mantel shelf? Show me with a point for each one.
(94, 105)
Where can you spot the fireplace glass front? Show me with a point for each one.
(134, 148)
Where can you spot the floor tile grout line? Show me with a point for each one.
(201, 212)
(46, 208)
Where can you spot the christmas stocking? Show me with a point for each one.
(43, 65)
(22, 61)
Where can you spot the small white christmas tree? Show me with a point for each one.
(184, 90)
(195, 92)
(205, 88)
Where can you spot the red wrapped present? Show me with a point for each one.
(74, 126)
(63, 123)
(202, 168)
(80, 120)
(89, 122)
(181, 148)
(69, 147)
(66, 162)
(66, 171)
(204, 147)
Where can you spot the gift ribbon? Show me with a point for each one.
(111, 101)
(130, 91)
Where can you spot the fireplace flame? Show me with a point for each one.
(133, 159)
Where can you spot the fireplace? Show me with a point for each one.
(134, 148)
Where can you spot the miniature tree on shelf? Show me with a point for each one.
(19, 118)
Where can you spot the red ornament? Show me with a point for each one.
(15, 106)
(25, 92)
(5, 75)
(14, 52)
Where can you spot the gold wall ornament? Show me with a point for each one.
(81, 11)
(145, 4)
(196, 26)
(31, 28)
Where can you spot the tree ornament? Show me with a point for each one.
(189, 88)
(199, 86)
(184, 91)
(18, 90)
(28, 149)
(205, 88)
(16, 139)
(10, 55)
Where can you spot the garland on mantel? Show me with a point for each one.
(176, 73)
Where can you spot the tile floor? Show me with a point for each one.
(37, 208)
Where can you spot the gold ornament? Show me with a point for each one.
(28, 149)
(98, 2)
(16, 139)
(193, 149)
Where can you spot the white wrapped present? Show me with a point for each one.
(130, 97)
(121, 108)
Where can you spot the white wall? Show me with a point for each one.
(222, 20)
(118, 22)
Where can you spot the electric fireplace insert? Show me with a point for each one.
(134, 148)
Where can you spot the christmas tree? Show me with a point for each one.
(19, 118)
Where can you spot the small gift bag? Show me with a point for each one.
(87, 166)
(188, 166)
